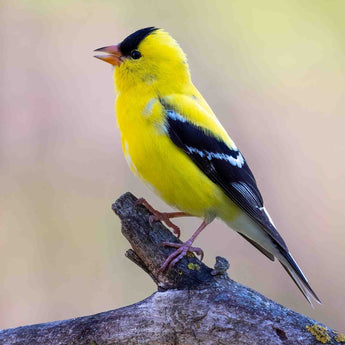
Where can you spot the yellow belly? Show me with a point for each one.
(156, 160)
(173, 176)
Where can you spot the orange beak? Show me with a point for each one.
(113, 55)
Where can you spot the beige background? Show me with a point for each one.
(274, 73)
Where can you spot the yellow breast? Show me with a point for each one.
(155, 159)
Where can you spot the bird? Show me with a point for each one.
(173, 141)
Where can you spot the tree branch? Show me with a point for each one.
(194, 304)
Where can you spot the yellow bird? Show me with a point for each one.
(174, 142)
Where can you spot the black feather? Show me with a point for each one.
(257, 246)
(236, 180)
(222, 165)
(132, 41)
(299, 273)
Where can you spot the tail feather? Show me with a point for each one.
(297, 276)
(299, 285)
(257, 246)
(263, 240)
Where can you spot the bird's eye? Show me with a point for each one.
(135, 54)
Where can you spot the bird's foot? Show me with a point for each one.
(163, 216)
(179, 253)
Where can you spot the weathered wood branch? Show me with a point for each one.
(193, 305)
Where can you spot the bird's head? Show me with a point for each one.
(149, 57)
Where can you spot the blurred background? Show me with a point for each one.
(274, 73)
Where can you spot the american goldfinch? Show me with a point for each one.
(174, 142)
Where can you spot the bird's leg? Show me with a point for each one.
(163, 216)
(183, 249)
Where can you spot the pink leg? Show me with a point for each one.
(183, 249)
(163, 216)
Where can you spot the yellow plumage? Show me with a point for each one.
(149, 151)
(173, 141)
(153, 157)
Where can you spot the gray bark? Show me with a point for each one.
(193, 305)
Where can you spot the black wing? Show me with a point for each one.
(223, 165)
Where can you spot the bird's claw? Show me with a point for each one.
(182, 250)
(158, 216)
(164, 217)
(142, 201)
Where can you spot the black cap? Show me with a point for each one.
(132, 41)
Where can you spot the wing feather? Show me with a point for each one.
(223, 165)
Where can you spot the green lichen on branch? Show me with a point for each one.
(319, 332)
(193, 267)
(340, 338)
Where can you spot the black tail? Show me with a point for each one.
(297, 275)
